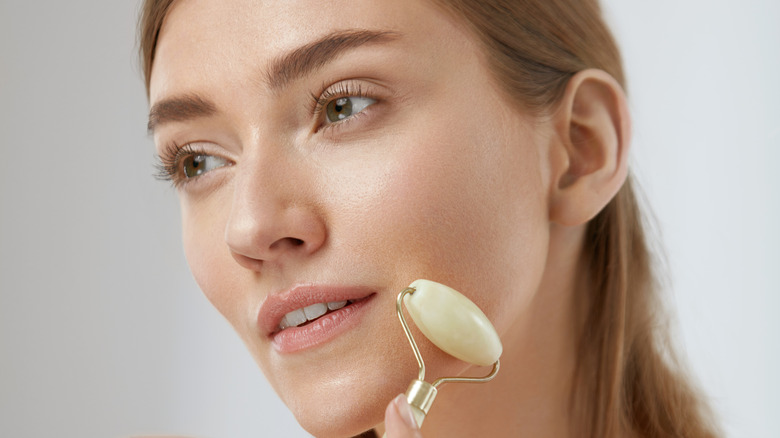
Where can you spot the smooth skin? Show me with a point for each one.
(439, 176)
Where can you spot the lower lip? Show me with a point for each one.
(322, 330)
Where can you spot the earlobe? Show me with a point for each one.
(589, 156)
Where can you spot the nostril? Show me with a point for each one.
(281, 244)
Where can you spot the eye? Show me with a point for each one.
(345, 107)
(182, 164)
(198, 164)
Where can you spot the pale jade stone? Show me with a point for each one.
(453, 323)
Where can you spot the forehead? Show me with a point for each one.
(201, 37)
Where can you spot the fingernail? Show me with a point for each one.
(405, 411)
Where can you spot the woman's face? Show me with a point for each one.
(337, 151)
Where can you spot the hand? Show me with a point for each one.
(399, 420)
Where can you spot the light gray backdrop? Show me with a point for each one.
(104, 334)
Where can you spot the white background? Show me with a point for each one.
(104, 334)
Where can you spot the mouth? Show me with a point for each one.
(305, 316)
(308, 315)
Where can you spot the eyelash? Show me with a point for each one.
(168, 167)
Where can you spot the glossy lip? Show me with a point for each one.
(277, 305)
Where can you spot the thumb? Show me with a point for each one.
(399, 420)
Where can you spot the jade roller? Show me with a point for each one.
(454, 324)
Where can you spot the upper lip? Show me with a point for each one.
(276, 305)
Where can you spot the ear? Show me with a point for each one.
(589, 156)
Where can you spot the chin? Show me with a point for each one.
(346, 407)
(338, 391)
(346, 401)
(324, 422)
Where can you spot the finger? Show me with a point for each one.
(399, 420)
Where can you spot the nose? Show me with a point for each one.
(274, 218)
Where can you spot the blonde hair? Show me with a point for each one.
(627, 378)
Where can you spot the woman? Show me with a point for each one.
(327, 154)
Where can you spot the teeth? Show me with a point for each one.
(315, 311)
(336, 305)
(292, 319)
(310, 313)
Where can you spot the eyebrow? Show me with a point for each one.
(177, 109)
(305, 59)
(288, 68)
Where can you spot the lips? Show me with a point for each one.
(307, 315)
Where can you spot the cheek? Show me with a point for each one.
(488, 223)
(207, 254)
(452, 205)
